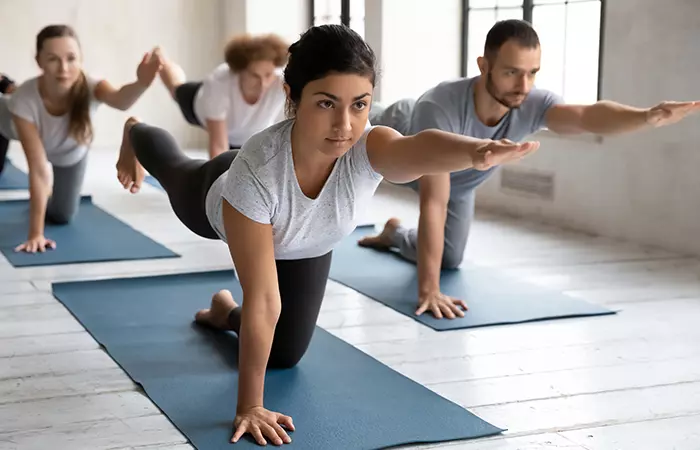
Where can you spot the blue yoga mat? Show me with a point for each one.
(153, 182)
(12, 178)
(338, 397)
(492, 298)
(93, 236)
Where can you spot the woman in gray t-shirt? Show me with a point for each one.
(51, 115)
(290, 195)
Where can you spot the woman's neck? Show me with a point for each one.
(55, 99)
(249, 98)
(311, 167)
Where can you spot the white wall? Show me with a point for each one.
(114, 37)
(417, 43)
(643, 187)
(287, 18)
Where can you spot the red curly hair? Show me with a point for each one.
(244, 49)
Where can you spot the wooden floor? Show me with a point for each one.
(629, 381)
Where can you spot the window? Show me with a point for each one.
(565, 27)
(347, 12)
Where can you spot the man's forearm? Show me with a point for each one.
(431, 244)
(607, 117)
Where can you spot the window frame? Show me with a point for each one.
(344, 12)
(528, 6)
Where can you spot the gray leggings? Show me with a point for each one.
(460, 213)
(460, 209)
(67, 183)
(65, 197)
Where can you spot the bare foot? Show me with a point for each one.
(130, 172)
(171, 74)
(383, 240)
(217, 315)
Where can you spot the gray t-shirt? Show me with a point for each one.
(61, 149)
(449, 106)
(262, 185)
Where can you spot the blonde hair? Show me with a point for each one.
(80, 126)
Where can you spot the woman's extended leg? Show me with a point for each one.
(183, 92)
(171, 74)
(302, 285)
(185, 180)
(4, 145)
(7, 85)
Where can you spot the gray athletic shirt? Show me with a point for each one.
(262, 185)
(449, 106)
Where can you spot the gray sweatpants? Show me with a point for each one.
(460, 213)
(65, 197)
(460, 208)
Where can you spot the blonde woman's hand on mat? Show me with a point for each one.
(36, 244)
(262, 423)
(440, 305)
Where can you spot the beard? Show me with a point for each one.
(500, 97)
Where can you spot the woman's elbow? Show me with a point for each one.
(39, 180)
(262, 307)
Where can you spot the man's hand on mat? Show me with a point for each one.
(440, 305)
(500, 152)
(262, 423)
(36, 244)
(667, 113)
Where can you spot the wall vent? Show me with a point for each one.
(527, 182)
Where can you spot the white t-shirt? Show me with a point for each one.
(220, 98)
(61, 149)
(262, 185)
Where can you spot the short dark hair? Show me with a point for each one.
(505, 30)
(326, 49)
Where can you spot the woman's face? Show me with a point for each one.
(333, 111)
(61, 61)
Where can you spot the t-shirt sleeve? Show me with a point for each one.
(542, 101)
(360, 161)
(244, 191)
(23, 104)
(92, 82)
(216, 100)
(429, 115)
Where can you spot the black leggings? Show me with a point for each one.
(5, 83)
(302, 283)
(4, 145)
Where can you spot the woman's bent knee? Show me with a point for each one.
(60, 217)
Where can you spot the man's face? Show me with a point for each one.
(511, 74)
